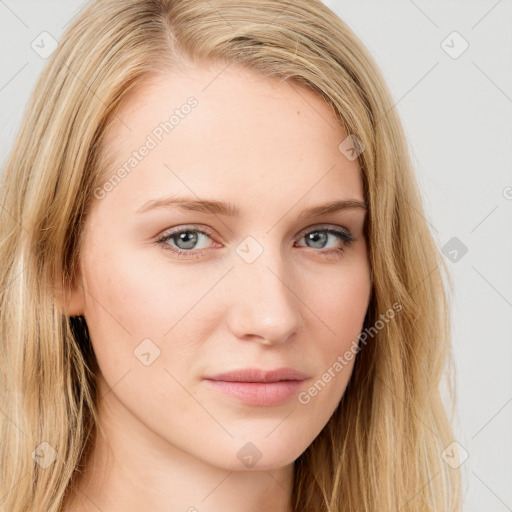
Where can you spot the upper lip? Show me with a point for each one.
(259, 375)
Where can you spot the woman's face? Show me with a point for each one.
(266, 285)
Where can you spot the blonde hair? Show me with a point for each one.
(381, 449)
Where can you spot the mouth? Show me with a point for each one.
(258, 387)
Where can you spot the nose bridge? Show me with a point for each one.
(263, 303)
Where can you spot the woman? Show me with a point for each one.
(218, 290)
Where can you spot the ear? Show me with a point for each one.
(69, 298)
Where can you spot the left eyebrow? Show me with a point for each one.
(220, 208)
(334, 206)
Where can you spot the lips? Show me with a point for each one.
(259, 375)
(258, 387)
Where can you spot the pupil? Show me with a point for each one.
(314, 237)
(189, 244)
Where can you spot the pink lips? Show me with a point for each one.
(253, 386)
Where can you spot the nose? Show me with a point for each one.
(265, 305)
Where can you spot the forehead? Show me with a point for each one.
(243, 131)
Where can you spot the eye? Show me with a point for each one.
(185, 239)
(318, 238)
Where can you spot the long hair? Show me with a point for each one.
(381, 449)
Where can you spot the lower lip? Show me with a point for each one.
(259, 393)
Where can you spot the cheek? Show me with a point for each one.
(135, 308)
(341, 303)
(341, 309)
(130, 306)
(135, 298)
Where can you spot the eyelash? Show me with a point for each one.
(344, 236)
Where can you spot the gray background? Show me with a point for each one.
(457, 114)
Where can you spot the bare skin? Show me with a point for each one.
(170, 442)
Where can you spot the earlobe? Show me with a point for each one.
(69, 296)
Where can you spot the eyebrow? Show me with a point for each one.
(220, 208)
